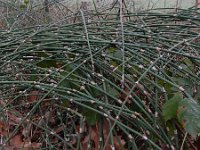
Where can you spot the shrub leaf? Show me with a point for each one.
(189, 114)
(170, 107)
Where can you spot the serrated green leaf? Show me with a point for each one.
(189, 114)
(169, 109)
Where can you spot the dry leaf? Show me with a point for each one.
(30, 146)
(3, 129)
(2, 103)
(94, 137)
(16, 141)
(33, 96)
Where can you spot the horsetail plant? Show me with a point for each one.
(116, 83)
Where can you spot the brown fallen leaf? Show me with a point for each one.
(31, 146)
(17, 142)
(2, 103)
(123, 96)
(116, 143)
(33, 96)
(95, 138)
(84, 143)
(2, 125)
(3, 129)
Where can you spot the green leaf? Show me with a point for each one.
(48, 63)
(22, 6)
(118, 54)
(33, 76)
(182, 81)
(26, 2)
(169, 109)
(42, 54)
(197, 96)
(187, 61)
(168, 87)
(189, 116)
(112, 49)
(66, 103)
(170, 127)
(90, 116)
(114, 63)
(95, 91)
(113, 92)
